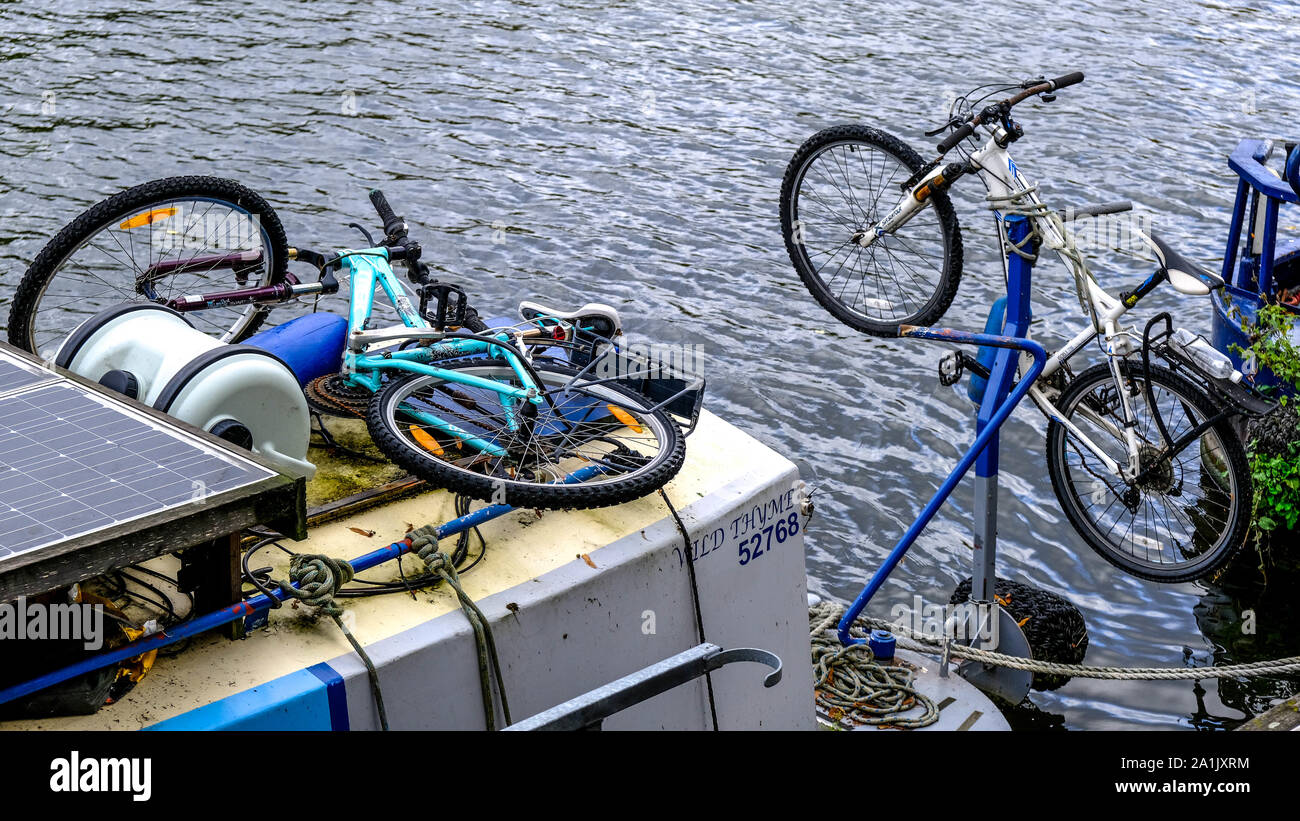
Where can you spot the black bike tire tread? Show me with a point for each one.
(942, 205)
(1236, 453)
(41, 270)
(550, 496)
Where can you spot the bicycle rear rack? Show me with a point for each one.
(676, 392)
(1237, 397)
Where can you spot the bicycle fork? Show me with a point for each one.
(918, 196)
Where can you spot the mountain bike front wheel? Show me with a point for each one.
(1190, 514)
(584, 446)
(840, 184)
(155, 241)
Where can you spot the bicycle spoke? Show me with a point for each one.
(116, 261)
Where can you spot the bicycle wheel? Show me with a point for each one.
(536, 446)
(158, 240)
(841, 182)
(1187, 518)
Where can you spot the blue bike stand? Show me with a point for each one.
(1000, 398)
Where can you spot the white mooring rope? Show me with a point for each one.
(829, 613)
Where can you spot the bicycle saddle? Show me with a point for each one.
(599, 319)
(1186, 276)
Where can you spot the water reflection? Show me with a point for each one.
(632, 153)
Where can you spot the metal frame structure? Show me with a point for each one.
(1000, 398)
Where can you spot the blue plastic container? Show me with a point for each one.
(310, 345)
(987, 356)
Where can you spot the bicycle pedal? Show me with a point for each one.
(451, 305)
(951, 368)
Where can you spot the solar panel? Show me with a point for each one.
(73, 461)
(16, 374)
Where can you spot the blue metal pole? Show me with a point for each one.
(1234, 236)
(256, 604)
(945, 490)
(1002, 371)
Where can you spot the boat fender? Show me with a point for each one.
(1052, 624)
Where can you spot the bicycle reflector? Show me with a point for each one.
(424, 440)
(626, 418)
(148, 218)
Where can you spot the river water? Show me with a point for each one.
(632, 152)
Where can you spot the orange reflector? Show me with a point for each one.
(148, 218)
(424, 440)
(624, 417)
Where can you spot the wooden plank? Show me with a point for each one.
(211, 574)
(366, 499)
(91, 555)
(1281, 718)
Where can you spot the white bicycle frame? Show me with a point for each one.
(1004, 182)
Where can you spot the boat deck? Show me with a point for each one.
(575, 598)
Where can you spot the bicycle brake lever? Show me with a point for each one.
(955, 121)
(370, 241)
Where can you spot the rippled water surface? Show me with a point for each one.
(632, 153)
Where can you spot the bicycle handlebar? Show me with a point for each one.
(1073, 78)
(399, 246)
(1029, 89)
(394, 226)
(963, 131)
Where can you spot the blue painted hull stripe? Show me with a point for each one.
(298, 701)
(337, 694)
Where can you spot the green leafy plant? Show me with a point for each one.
(1277, 489)
(1274, 450)
(1270, 342)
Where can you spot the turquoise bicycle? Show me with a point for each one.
(522, 415)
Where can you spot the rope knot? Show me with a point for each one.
(424, 543)
(422, 537)
(318, 578)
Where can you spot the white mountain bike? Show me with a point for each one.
(1142, 456)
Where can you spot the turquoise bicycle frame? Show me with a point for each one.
(370, 268)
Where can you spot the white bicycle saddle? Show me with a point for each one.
(597, 318)
(1186, 276)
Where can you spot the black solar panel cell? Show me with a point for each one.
(73, 462)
